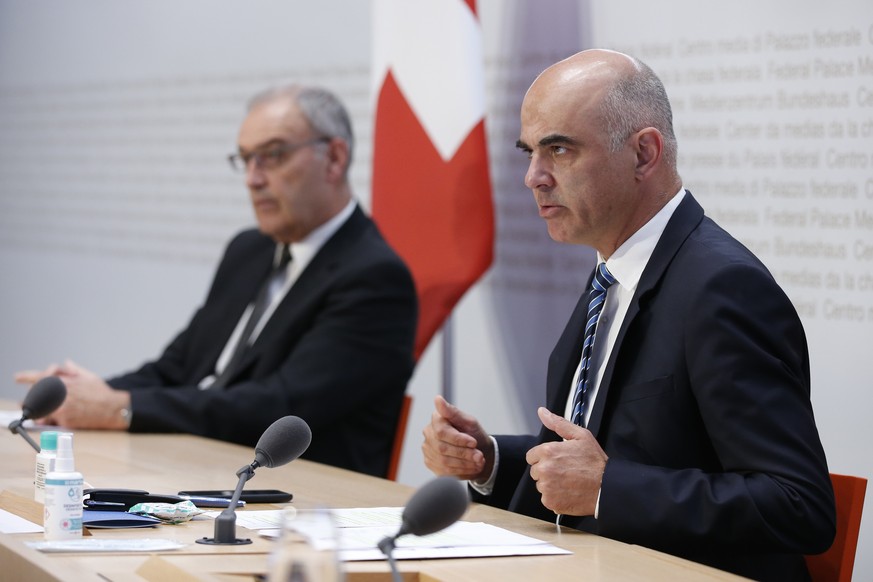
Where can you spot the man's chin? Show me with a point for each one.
(556, 233)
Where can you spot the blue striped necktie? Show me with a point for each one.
(601, 282)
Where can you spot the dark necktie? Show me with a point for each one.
(601, 282)
(262, 302)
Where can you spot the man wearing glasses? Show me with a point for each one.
(311, 314)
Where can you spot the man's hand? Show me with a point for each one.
(455, 444)
(34, 376)
(567, 473)
(90, 403)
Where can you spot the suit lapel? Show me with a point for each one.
(684, 220)
(243, 285)
(565, 357)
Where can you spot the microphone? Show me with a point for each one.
(43, 398)
(436, 505)
(282, 442)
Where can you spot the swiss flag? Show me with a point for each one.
(431, 190)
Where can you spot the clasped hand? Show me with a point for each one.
(567, 473)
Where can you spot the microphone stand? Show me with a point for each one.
(15, 427)
(435, 506)
(387, 547)
(225, 523)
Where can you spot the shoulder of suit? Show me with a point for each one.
(362, 249)
(246, 244)
(251, 237)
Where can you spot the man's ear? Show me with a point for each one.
(649, 147)
(338, 159)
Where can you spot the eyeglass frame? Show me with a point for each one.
(239, 162)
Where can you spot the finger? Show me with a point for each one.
(28, 376)
(447, 410)
(453, 425)
(538, 453)
(445, 439)
(463, 453)
(560, 425)
(447, 460)
(457, 459)
(33, 376)
(442, 405)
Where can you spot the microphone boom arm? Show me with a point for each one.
(16, 428)
(245, 473)
(225, 523)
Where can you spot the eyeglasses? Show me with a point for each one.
(271, 157)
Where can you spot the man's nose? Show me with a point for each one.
(255, 177)
(538, 175)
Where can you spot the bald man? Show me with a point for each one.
(682, 422)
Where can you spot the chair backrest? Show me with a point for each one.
(399, 436)
(836, 564)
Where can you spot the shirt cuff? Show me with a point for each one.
(597, 505)
(487, 487)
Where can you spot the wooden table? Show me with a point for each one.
(170, 463)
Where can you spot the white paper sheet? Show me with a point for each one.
(360, 530)
(11, 523)
(107, 545)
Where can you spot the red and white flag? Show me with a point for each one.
(431, 190)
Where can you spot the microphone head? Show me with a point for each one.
(282, 442)
(43, 398)
(436, 505)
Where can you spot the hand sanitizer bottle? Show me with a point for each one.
(63, 495)
(45, 462)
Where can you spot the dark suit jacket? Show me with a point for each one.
(704, 413)
(337, 352)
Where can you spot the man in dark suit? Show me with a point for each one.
(687, 425)
(334, 342)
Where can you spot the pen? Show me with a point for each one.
(103, 504)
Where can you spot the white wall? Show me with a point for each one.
(115, 120)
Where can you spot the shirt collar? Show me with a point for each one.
(629, 260)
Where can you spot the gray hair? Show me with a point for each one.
(323, 110)
(635, 102)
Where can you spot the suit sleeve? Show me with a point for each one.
(183, 362)
(357, 347)
(746, 367)
(513, 450)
